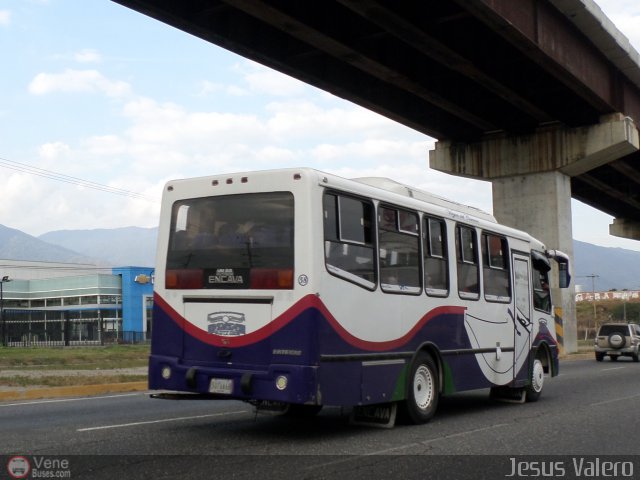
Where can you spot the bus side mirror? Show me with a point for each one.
(564, 277)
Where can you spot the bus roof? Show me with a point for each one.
(411, 192)
(449, 208)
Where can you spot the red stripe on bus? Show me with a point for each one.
(305, 303)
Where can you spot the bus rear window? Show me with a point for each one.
(232, 241)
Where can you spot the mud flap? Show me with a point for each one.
(269, 407)
(381, 415)
(508, 395)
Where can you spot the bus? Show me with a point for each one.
(294, 289)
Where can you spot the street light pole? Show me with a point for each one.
(4, 280)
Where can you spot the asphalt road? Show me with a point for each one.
(588, 412)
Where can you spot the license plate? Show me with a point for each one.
(221, 385)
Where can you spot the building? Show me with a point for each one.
(66, 304)
(625, 295)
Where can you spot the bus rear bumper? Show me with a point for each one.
(279, 383)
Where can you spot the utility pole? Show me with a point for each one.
(593, 301)
(5, 341)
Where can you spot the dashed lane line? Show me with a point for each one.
(64, 400)
(162, 420)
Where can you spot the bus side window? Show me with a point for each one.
(495, 268)
(348, 239)
(468, 271)
(434, 236)
(541, 297)
(399, 247)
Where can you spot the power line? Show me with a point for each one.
(61, 177)
(44, 266)
(47, 265)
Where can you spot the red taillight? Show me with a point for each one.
(184, 279)
(271, 278)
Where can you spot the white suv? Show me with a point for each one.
(617, 339)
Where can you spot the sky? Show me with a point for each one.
(100, 106)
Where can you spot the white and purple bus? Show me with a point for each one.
(298, 289)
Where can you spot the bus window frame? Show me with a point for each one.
(460, 260)
(540, 265)
(427, 251)
(417, 290)
(484, 249)
(337, 271)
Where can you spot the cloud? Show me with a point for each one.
(78, 81)
(264, 81)
(165, 140)
(213, 88)
(312, 121)
(87, 55)
(104, 145)
(53, 150)
(5, 18)
(208, 88)
(172, 125)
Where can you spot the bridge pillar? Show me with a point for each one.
(531, 178)
(540, 204)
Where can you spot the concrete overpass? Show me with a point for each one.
(537, 96)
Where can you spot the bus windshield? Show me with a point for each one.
(232, 241)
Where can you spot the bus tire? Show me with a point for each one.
(536, 381)
(422, 390)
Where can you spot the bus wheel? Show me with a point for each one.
(534, 389)
(422, 395)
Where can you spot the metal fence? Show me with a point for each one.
(33, 328)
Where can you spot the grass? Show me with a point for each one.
(68, 381)
(74, 358)
(585, 344)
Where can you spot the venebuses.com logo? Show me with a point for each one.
(19, 466)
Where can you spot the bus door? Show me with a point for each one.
(522, 311)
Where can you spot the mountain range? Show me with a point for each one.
(129, 246)
(615, 268)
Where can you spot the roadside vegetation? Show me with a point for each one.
(590, 318)
(72, 366)
(67, 381)
(74, 358)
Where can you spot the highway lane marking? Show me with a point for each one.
(609, 369)
(62, 400)
(462, 434)
(408, 445)
(163, 420)
(621, 399)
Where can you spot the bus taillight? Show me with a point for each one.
(271, 278)
(183, 279)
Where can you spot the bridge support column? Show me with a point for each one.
(540, 204)
(531, 177)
